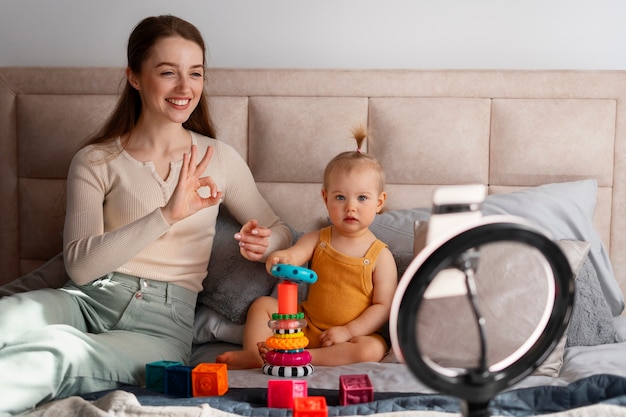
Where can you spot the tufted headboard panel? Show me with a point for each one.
(506, 129)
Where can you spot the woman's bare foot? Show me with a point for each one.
(240, 359)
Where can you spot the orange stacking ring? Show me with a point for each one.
(287, 344)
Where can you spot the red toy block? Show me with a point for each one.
(310, 407)
(209, 379)
(281, 393)
(355, 389)
(155, 374)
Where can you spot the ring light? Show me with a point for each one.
(445, 269)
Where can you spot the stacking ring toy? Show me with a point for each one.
(275, 357)
(288, 331)
(287, 324)
(287, 344)
(288, 371)
(294, 273)
(295, 316)
(296, 335)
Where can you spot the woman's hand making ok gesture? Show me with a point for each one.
(186, 199)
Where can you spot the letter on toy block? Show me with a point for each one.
(209, 379)
(155, 374)
(310, 407)
(178, 381)
(355, 389)
(281, 393)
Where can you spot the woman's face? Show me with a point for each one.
(171, 80)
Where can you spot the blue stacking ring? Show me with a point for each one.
(294, 273)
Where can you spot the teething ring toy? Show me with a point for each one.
(287, 344)
(294, 273)
(287, 324)
(288, 371)
(279, 358)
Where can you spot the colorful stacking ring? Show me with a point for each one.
(287, 324)
(288, 359)
(288, 371)
(296, 335)
(289, 350)
(295, 316)
(287, 344)
(294, 273)
(288, 331)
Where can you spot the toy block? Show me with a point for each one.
(310, 407)
(281, 393)
(155, 374)
(178, 381)
(209, 379)
(355, 389)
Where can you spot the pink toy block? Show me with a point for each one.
(209, 379)
(310, 407)
(281, 393)
(355, 389)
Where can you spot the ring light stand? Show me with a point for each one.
(453, 254)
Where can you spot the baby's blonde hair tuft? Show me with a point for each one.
(350, 160)
(360, 134)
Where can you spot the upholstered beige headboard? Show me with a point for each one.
(507, 129)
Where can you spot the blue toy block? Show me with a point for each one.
(178, 381)
(155, 374)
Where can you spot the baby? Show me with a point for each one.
(357, 274)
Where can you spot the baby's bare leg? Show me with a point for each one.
(255, 331)
(358, 349)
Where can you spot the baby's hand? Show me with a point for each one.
(335, 335)
(276, 259)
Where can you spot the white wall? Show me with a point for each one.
(457, 34)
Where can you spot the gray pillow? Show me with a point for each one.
(591, 323)
(395, 228)
(232, 282)
(50, 275)
(565, 210)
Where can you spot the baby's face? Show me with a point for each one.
(353, 198)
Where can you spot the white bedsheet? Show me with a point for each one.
(579, 362)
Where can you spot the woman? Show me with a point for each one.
(143, 199)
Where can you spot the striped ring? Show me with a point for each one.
(288, 371)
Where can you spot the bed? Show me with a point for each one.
(549, 145)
